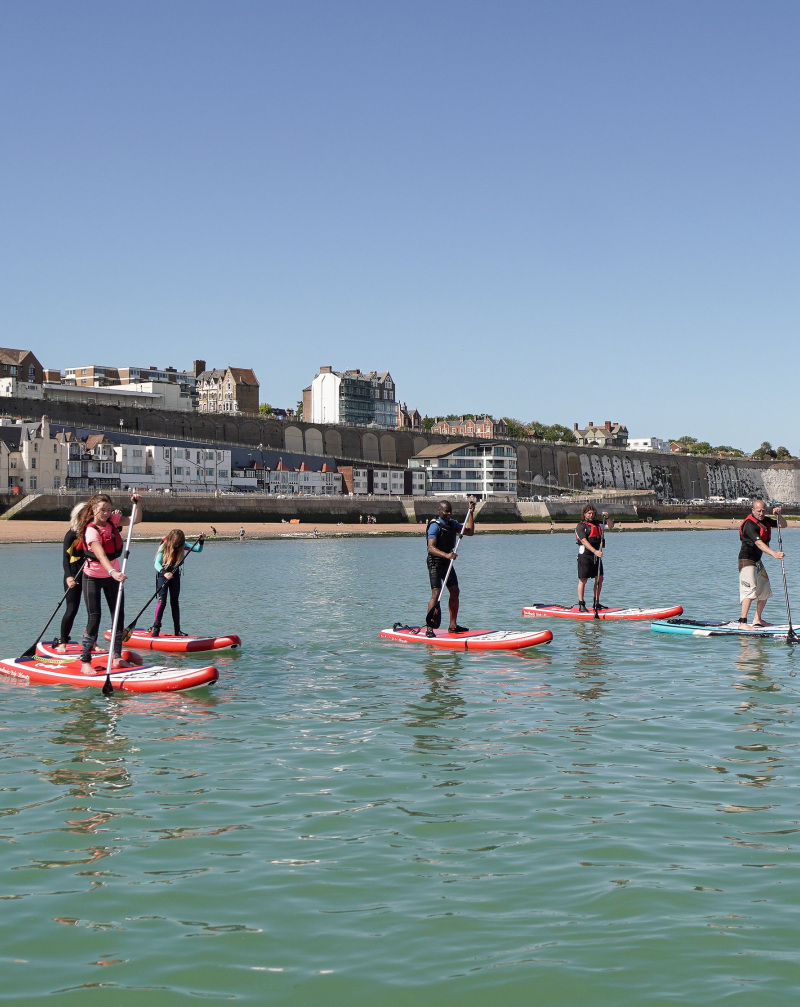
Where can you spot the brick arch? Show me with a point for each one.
(420, 443)
(314, 441)
(293, 440)
(388, 449)
(333, 443)
(369, 448)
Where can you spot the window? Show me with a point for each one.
(56, 482)
(58, 464)
(33, 463)
(35, 445)
(223, 473)
(209, 472)
(137, 452)
(178, 453)
(178, 470)
(55, 449)
(33, 482)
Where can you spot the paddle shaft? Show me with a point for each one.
(596, 592)
(791, 636)
(107, 687)
(131, 626)
(32, 649)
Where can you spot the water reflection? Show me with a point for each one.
(99, 748)
(441, 702)
(590, 658)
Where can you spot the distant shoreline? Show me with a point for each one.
(21, 532)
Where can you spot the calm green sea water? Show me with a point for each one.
(609, 820)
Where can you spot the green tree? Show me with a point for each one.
(765, 452)
(782, 454)
(517, 430)
(427, 423)
(298, 412)
(265, 409)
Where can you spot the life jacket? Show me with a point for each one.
(116, 539)
(595, 531)
(764, 530)
(446, 535)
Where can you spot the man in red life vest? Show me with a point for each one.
(754, 535)
(589, 533)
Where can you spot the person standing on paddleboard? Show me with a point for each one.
(589, 533)
(754, 535)
(442, 534)
(99, 537)
(72, 560)
(169, 570)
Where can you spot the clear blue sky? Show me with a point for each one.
(563, 211)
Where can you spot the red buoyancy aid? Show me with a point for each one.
(114, 540)
(595, 531)
(764, 530)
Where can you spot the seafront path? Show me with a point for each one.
(54, 531)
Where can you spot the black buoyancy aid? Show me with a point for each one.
(595, 531)
(116, 538)
(446, 535)
(764, 530)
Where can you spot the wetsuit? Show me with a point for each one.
(589, 565)
(170, 586)
(72, 559)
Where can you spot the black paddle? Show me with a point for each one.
(128, 631)
(434, 617)
(791, 636)
(108, 688)
(31, 651)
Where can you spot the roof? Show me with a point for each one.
(440, 450)
(244, 375)
(8, 356)
(11, 437)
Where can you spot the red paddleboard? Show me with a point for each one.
(73, 653)
(143, 639)
(472, 639)
(152, 678)
(563, 612)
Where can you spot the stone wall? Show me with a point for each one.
(539, 465)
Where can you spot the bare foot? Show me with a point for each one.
(61, 648)
(121, 664)
(759, 625)
(87, 669)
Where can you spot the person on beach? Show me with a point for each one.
(72, 560)
(754, 535)
(441, 534)
(99, 535)
(169, 569)
(590, 537)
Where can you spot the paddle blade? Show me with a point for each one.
(108, 688)
(127, 633)
(30, 652)
(434, 617)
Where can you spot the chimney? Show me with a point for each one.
(608, 424)
(575, 427)
(326, 370)
(198, 366)
(591, 424)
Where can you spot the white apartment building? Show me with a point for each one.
(478, 468)
(647, 444)
(155, 466)
(363, 398)
(389, 482)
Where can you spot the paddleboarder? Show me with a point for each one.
(754, 535)
(72, 560)
(589, 533)
(99, 536)
(441, 534)
(169, 570)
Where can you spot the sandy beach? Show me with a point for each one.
(54, 531)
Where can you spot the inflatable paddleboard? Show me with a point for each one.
(472, 639)
(46, 648)
(143, 639)
(152, 678)
(698, 627)
(563, 612)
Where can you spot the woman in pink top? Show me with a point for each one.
(100, 538)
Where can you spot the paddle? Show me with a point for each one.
(31, 651)
(434, 617)
(596, 596)
(128, 631)
(791, 636)
(108, 688)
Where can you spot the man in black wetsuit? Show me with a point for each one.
(754, 534)
(589, 533)
(442, 535)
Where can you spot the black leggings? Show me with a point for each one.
(171, 587)
(93, 587)
(72, 604)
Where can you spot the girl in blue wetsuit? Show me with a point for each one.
(169, 566)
